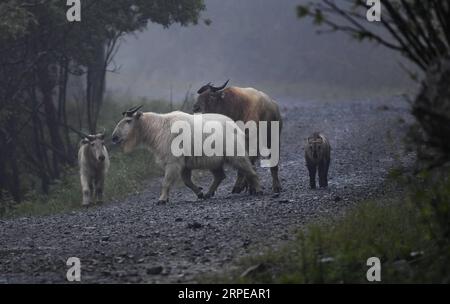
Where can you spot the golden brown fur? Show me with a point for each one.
(243, 104)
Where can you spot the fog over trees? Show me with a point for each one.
(52, 72)
(258, 43)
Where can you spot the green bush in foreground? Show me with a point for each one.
(410, 236)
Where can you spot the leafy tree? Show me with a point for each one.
(419, 30)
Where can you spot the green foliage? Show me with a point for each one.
(302, 11)
(305, 11)
(14, 20)
(318, 17)
(418, 30)
(433, 201)
(409, 235)
(431, 108)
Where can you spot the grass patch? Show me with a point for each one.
(409, 235)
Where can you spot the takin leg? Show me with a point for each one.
(321, 177)
(276, 185)
(246, 183)
(85, 187)
(99, 185)
(186, 175)
(327, 167)
(241, 183)
(312, 175)
(92, 190)
(244, 165)
(323, 174)
(172, 171)
(219, 176)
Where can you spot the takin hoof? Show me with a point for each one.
(239, 189)
(201, 195)
(162, 202)
(255, 192)
(236, 190)
(276, 189)
(209, 195)
(99, 202)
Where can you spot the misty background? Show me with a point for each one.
(258, 43)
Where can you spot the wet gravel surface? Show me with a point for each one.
(138, 241)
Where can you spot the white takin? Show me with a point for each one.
(155, 132)
(93, 160)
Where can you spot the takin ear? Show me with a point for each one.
(102, 136)
(84, 141)
(138, 114)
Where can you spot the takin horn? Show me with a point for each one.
(131, 111)
(212, 88)
(82, 134)
(216, 89)
(103, 133)
(204, 88)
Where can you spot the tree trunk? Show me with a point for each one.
(46, 86)
(95, 86)
(41, 155)
(64, 78)
(11, 153)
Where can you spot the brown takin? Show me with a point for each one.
(317, 156)
(243, 105)
(93, 160)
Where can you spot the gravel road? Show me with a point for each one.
(138, 241)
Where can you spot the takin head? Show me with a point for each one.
(125, 130)
(209, 99)
(316, 147)
(96, 146)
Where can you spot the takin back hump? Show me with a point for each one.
(246, 104)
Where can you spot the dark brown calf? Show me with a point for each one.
(317, 156)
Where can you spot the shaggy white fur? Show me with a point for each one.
(93, 160)
(154, 132)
